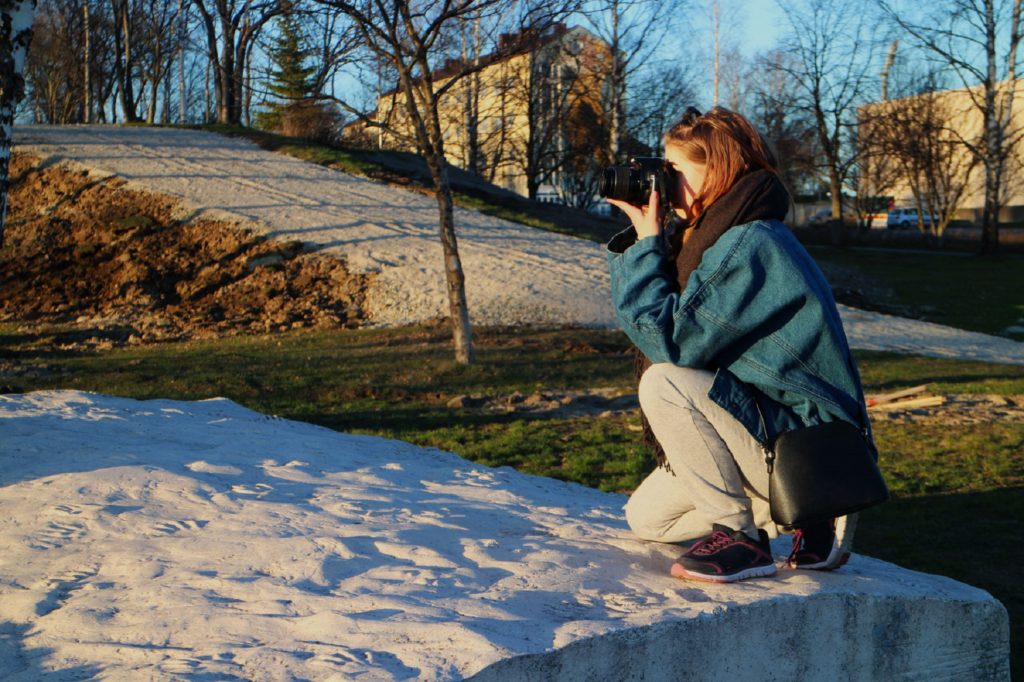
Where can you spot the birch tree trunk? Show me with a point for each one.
(716, 12)
(15, 37)
(618, 87)
(954, 28)
(458, 308)
(181, 62)
(88, 64)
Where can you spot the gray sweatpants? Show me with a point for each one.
(718, 469)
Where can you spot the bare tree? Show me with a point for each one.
(920, 137)
(831, 48)
(69, 69)
(977, 40)
(472, 46)
(787, 125)
(15, 38)
(735, 79)
(412, 37)
(94, 61)
(102, 78)
(560, 88)
(156, 46)
(514, 120)
(949, 167)
(87, 105)
(658, 95)
(231, 28)
(334, 42)
(192, 60)
(585, 156)
(876, 175)
(125, 68)
(182, 30)
(726, 59)
(635, 31)
(53, 71)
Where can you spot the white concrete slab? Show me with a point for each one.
(201, 540)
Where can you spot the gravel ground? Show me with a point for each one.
(514, 274)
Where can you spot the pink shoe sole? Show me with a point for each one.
(678, 571)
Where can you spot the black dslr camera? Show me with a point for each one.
(632, 182)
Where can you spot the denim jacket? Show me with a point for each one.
(758, 312)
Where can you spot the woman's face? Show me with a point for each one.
(690, 178)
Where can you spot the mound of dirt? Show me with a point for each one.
(123, 266)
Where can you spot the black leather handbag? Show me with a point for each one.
(818, 473)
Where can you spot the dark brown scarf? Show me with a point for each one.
(759, 195)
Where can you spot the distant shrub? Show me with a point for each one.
(306, 119)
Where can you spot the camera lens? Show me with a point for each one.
(634, 181)
(615, 182)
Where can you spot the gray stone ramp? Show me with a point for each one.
(851, 635)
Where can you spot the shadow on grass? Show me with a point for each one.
(971, 537)
(54, 343)
(405, 419)
(949, 379)
(883, 371)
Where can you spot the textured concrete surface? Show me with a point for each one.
(832, 636)
(201, 540)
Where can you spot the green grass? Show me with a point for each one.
(397, 382)
(883, 372)
(314, 153)
(980, 293)
(601, 451)
(958, 493)
(394, 383)
(928, 459)
(517, 216)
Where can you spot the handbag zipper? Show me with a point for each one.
(769, 455)
(769, 458)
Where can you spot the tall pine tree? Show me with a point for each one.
(291, 80)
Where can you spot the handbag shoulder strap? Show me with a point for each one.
(769, 452)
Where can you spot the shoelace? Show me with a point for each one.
(798, 540)
(717, 541)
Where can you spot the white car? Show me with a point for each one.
(904, 219)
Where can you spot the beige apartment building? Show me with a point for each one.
(934, 127)
(527, 120)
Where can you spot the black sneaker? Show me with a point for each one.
(726, 556)
(823, 546)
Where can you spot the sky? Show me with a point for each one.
(762, 24)
(749, 26)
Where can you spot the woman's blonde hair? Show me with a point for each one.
(725, 143)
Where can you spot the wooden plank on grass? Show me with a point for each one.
(882, 398)
(924, 401)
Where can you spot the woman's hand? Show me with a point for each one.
(646, 219)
